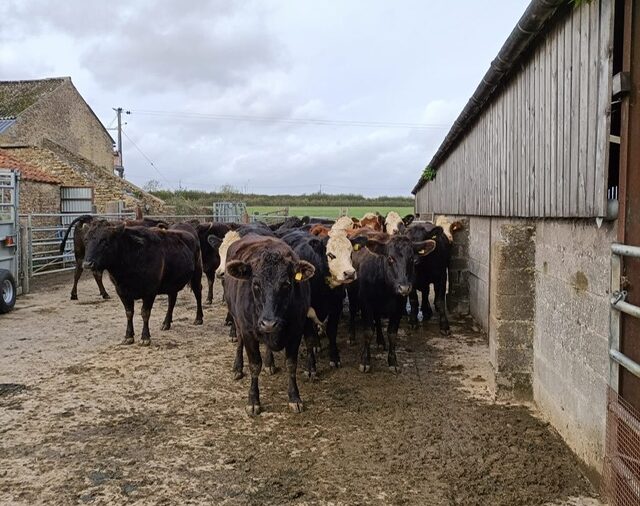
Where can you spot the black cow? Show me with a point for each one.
(385, 275)
(268, 295)
(144, 262)
(290, 223)
(327, 296)
(80, 224)
(210, 236)
(429, 270)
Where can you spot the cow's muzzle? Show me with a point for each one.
(268, 326)
(404, 290)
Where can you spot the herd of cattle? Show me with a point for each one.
(282, 283)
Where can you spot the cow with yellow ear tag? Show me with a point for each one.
(268, 295)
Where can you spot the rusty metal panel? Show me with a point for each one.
(539, 148)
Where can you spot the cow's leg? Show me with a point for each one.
(228, 319)
(310, 339)
(255, 366)
(97, 275)
(168, 319)
(367, 334)
(291, 351)
(353, 315)
(332, 333)
(196, 287)
(147, 304)
(76, 277)
(269, 363)
(210, 279)
(238, 364)
(440, 287)
(427, 312)
(392, 332)
(232, 331)
(379, 335)
(413, 300)
(128, 309)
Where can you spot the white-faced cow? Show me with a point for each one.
(144, 262)
(268, 296)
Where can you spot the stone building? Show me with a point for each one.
(47, 124)
(538, 166)
(53, 109)
(39, 190)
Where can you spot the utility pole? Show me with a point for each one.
(120, 167)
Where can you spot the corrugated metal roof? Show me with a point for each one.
(6, 123)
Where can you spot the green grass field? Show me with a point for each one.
(330, 212)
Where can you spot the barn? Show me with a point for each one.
(538, 165)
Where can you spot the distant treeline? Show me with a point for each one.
(196, 198)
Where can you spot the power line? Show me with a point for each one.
(148, 160)
(289, 120)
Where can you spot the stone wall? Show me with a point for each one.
(39, 197)
(64, 117)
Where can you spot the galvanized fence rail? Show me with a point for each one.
(622, 451)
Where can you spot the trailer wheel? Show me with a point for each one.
(7, 291)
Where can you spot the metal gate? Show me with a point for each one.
(9, 232)
(622, 452)
(229, 212)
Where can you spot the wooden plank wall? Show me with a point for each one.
(539, 148)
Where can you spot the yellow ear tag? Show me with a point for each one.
(421, 252)
(298, 276)
(356, 247)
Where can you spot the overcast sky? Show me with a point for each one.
(369, 61)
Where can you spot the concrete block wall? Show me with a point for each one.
(512, 307)
(571, 331)
(479, 233)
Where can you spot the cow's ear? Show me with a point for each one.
(304, 271)
(238, 269)
(408, 219)
(380, 220)
(358, 242)
(423, 248)
(455, 226)
(377, 247)
(355, 221)
(214, 241)
(305, 220)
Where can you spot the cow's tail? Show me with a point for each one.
(85, 218)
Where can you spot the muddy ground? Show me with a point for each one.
(84, 420)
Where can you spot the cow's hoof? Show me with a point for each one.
(334, 364)
(127, 341)
(209, 302)
(445, 332)
(296, 407)
(351, 341)
(106, 296)
(394, 369)
(382, 347)
(316, 349)
(74, 296)
(238, 375)
(145, 342)
(253, 409)
(311, 375)
(198, 321)
(365, 368)
(271, 370)
(165, 326)
(233, 339)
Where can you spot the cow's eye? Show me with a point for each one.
(331, 256)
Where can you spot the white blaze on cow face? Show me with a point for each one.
(229, 238)
(392, 223)
(339, 250)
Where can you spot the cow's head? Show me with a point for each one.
(229, 238)
(374, 221)
(338, 250)
(399, 254)
(100, 243)
(273, 277)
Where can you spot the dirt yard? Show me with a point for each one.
(85, 420)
